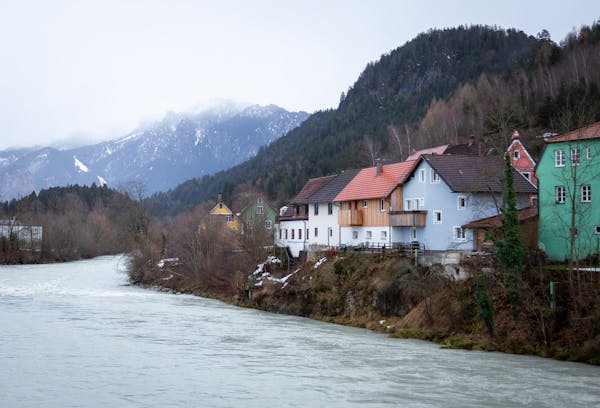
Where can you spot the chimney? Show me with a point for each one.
(220, 197)
(379, 167)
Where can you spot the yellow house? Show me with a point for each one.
(221, 210)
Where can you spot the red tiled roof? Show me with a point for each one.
(311, 187)
(496, 221)
(429, 150)
(589, 132)
(366, 184)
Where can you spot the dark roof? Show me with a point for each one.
(329, 191)
(472, 174)
(310, 187)
(464, 149)
(524, 214)
(589, 132)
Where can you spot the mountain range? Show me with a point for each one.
(161, 155)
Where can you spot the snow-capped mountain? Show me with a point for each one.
(161, 155)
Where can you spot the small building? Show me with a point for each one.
(258, 215)
(483, 228)
(569, 185)
(521, 159)
(29, 237)
(223, 213)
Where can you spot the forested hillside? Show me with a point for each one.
(411, 98)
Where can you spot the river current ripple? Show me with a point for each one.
(76, 335)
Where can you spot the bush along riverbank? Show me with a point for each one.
(388, 293)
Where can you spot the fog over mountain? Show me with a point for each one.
(160, 155)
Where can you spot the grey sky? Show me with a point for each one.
(95, 69)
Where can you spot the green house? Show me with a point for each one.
(258, 216)
(569, 195)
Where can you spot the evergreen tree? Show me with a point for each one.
(486, 309)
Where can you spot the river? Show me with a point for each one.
(76, 335)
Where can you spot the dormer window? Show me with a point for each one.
(259, 200)
(516, 155)
(260, 209)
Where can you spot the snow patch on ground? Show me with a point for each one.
(320, 262)
(261, 275)
(80, 165)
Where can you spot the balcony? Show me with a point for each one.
(351, 218)
(408, 218)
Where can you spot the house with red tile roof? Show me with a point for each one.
(367, 204)
(521, 159)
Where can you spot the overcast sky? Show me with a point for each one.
(92, 70)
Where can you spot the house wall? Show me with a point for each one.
(324, 222)
(439, 197)
(555, 218)
(296, 244)
(524, 163)
(376, 239)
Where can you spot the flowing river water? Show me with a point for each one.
(76, 335)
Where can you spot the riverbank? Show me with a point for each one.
(389, 294)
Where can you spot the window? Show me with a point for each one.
(293, 231)
(299, 233)
(462, 202)
(459, 234)
(422, 173)
(365, 204)
(575, 156)
(435, 178)
(516, 155)
(220, 205)
(268, 224)
(249, 224)
(354, 234)
(408, 205)
(279, 234)
(586, 193)
(307, 233)
(421, 203)
(369, 234)
(560, 194)
(228, 218)
(329, 208)
(413, 234)
(437, 217)
(260, 209)
(597, 230)
(316, 232)
(588, 153)
(559, 158)
(330, 232)
(382, 205)
(383, 235)
(316, 208)
(527, 175)
(259, 200)
(286, 234)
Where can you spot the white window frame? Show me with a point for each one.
(330, 231)
(458, 206)
(413, 234)
(457, 231)
(355, 234)
(408, 204)
(575, 156)
(559, 158)
(316, 209)
(516, 154)
(383, 235)
(260, 209)
(365, 203)
(229, 218)
(422, 176)
(369, 235)
(382, 205)
(329, 208)
(259, 200)
(560, 194)
(420, 203)
(597, 230)
(268, 224)
(588, 153)
(435, 221)
(586, 193)
(435, 178)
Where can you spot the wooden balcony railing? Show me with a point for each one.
(408, 218)
(351, 218)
